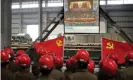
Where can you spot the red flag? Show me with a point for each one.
(119, 48)
(53, 45)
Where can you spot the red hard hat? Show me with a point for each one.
(20, 52)
(46, 62)
(51, 53)
(58, 60)
(92, 63)
(101, 62)
(109, 67)
(129, 55)
(41, 51)
(82, 55)
(9, 51)
(4, 56)
(73, 59)
(68, 62)
(24, 60)
(113, 56)
(16, 61)
(90, 68)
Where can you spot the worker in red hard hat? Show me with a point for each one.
(6, 74)
(101, 62)
(24, 63)
(46, 66)
(68, 70)
(129, 58)
(74, 64)
(68, 63)
(114, 57)
(35, 66)
(100, 73)
(91, 66)
(82, 58)
(10, 51)
(109, 67)
(20, 52)
(12, 66)
(58, 61)
(127, 73)
(41, 51)
(51, 53)
(56, 72)
(109, 70)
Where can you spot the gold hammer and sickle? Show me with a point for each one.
(59, 43)
(110, 45)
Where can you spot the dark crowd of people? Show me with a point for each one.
(18, 66)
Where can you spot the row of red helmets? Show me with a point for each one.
(21, 57)
(6, 54)
(109, 65)
(81, 55)
(48, 59)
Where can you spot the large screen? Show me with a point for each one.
(81, 16)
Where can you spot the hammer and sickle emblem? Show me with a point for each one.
(59, 43)
(110, 45)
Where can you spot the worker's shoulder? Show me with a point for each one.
(129, 69)
(6, 71)
(45, 78)
(6, 74)
(84, 74)
(24, 73)
(57, 72)
(127, 73)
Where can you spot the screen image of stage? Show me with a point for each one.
(81, 16)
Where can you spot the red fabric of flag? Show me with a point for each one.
(115, 47)
(54, 45)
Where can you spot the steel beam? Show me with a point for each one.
(35, 10)
(46, 36)
(6, 23)
(21, 18)
(40, 18)
(115, 26)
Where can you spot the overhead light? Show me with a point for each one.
(128, 1)
(102, 2)
(30, 5)
(115, 2)
(15, 6)
(55, 4)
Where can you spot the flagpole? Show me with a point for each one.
(101, 47)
